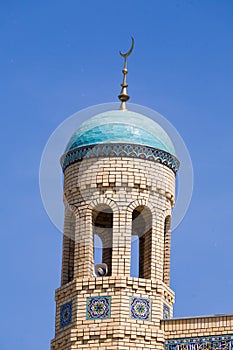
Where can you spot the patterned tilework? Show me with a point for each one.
(212, 343)
(121, 126)
(140, 308)
(166, 312)
(66, 314)
(120, 150)
(98, 308)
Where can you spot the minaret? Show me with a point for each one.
(119, 186)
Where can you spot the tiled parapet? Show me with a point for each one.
(116, 300)
(221, 341)
(120, 150)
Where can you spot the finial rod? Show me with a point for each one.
(124, 97)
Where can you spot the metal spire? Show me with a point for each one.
(124, 97)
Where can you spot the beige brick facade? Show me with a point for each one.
(120, 328)
(122, 184)
(119, 197)
(139, 195)
(198, 326)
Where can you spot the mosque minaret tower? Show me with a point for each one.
(119, 189)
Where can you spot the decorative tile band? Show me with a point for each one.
(120, 150)
(66, 314)
(140, 308)
(166, 312)
(98, 308)
(200, 343)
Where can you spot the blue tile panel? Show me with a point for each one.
(120, 150)
(98, 307)
(66, 314)
(199, 343)
(121, 126)
(166, 312)
(140, 308)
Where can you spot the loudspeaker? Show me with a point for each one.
(101, 270)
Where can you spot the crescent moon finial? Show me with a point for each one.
(124, 97)
(130, 50)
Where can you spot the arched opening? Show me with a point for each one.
(167, 247)
(102, 220)
(68, 247)
(141, 248)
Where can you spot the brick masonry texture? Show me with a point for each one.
(198, 326)
(123, 185)
(120, 325)
(121, 188)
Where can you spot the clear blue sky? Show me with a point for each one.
(58, 57)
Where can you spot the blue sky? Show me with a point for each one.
(58, 57)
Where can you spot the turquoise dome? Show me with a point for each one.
(119, 126)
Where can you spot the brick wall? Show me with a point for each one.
(124, 186)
